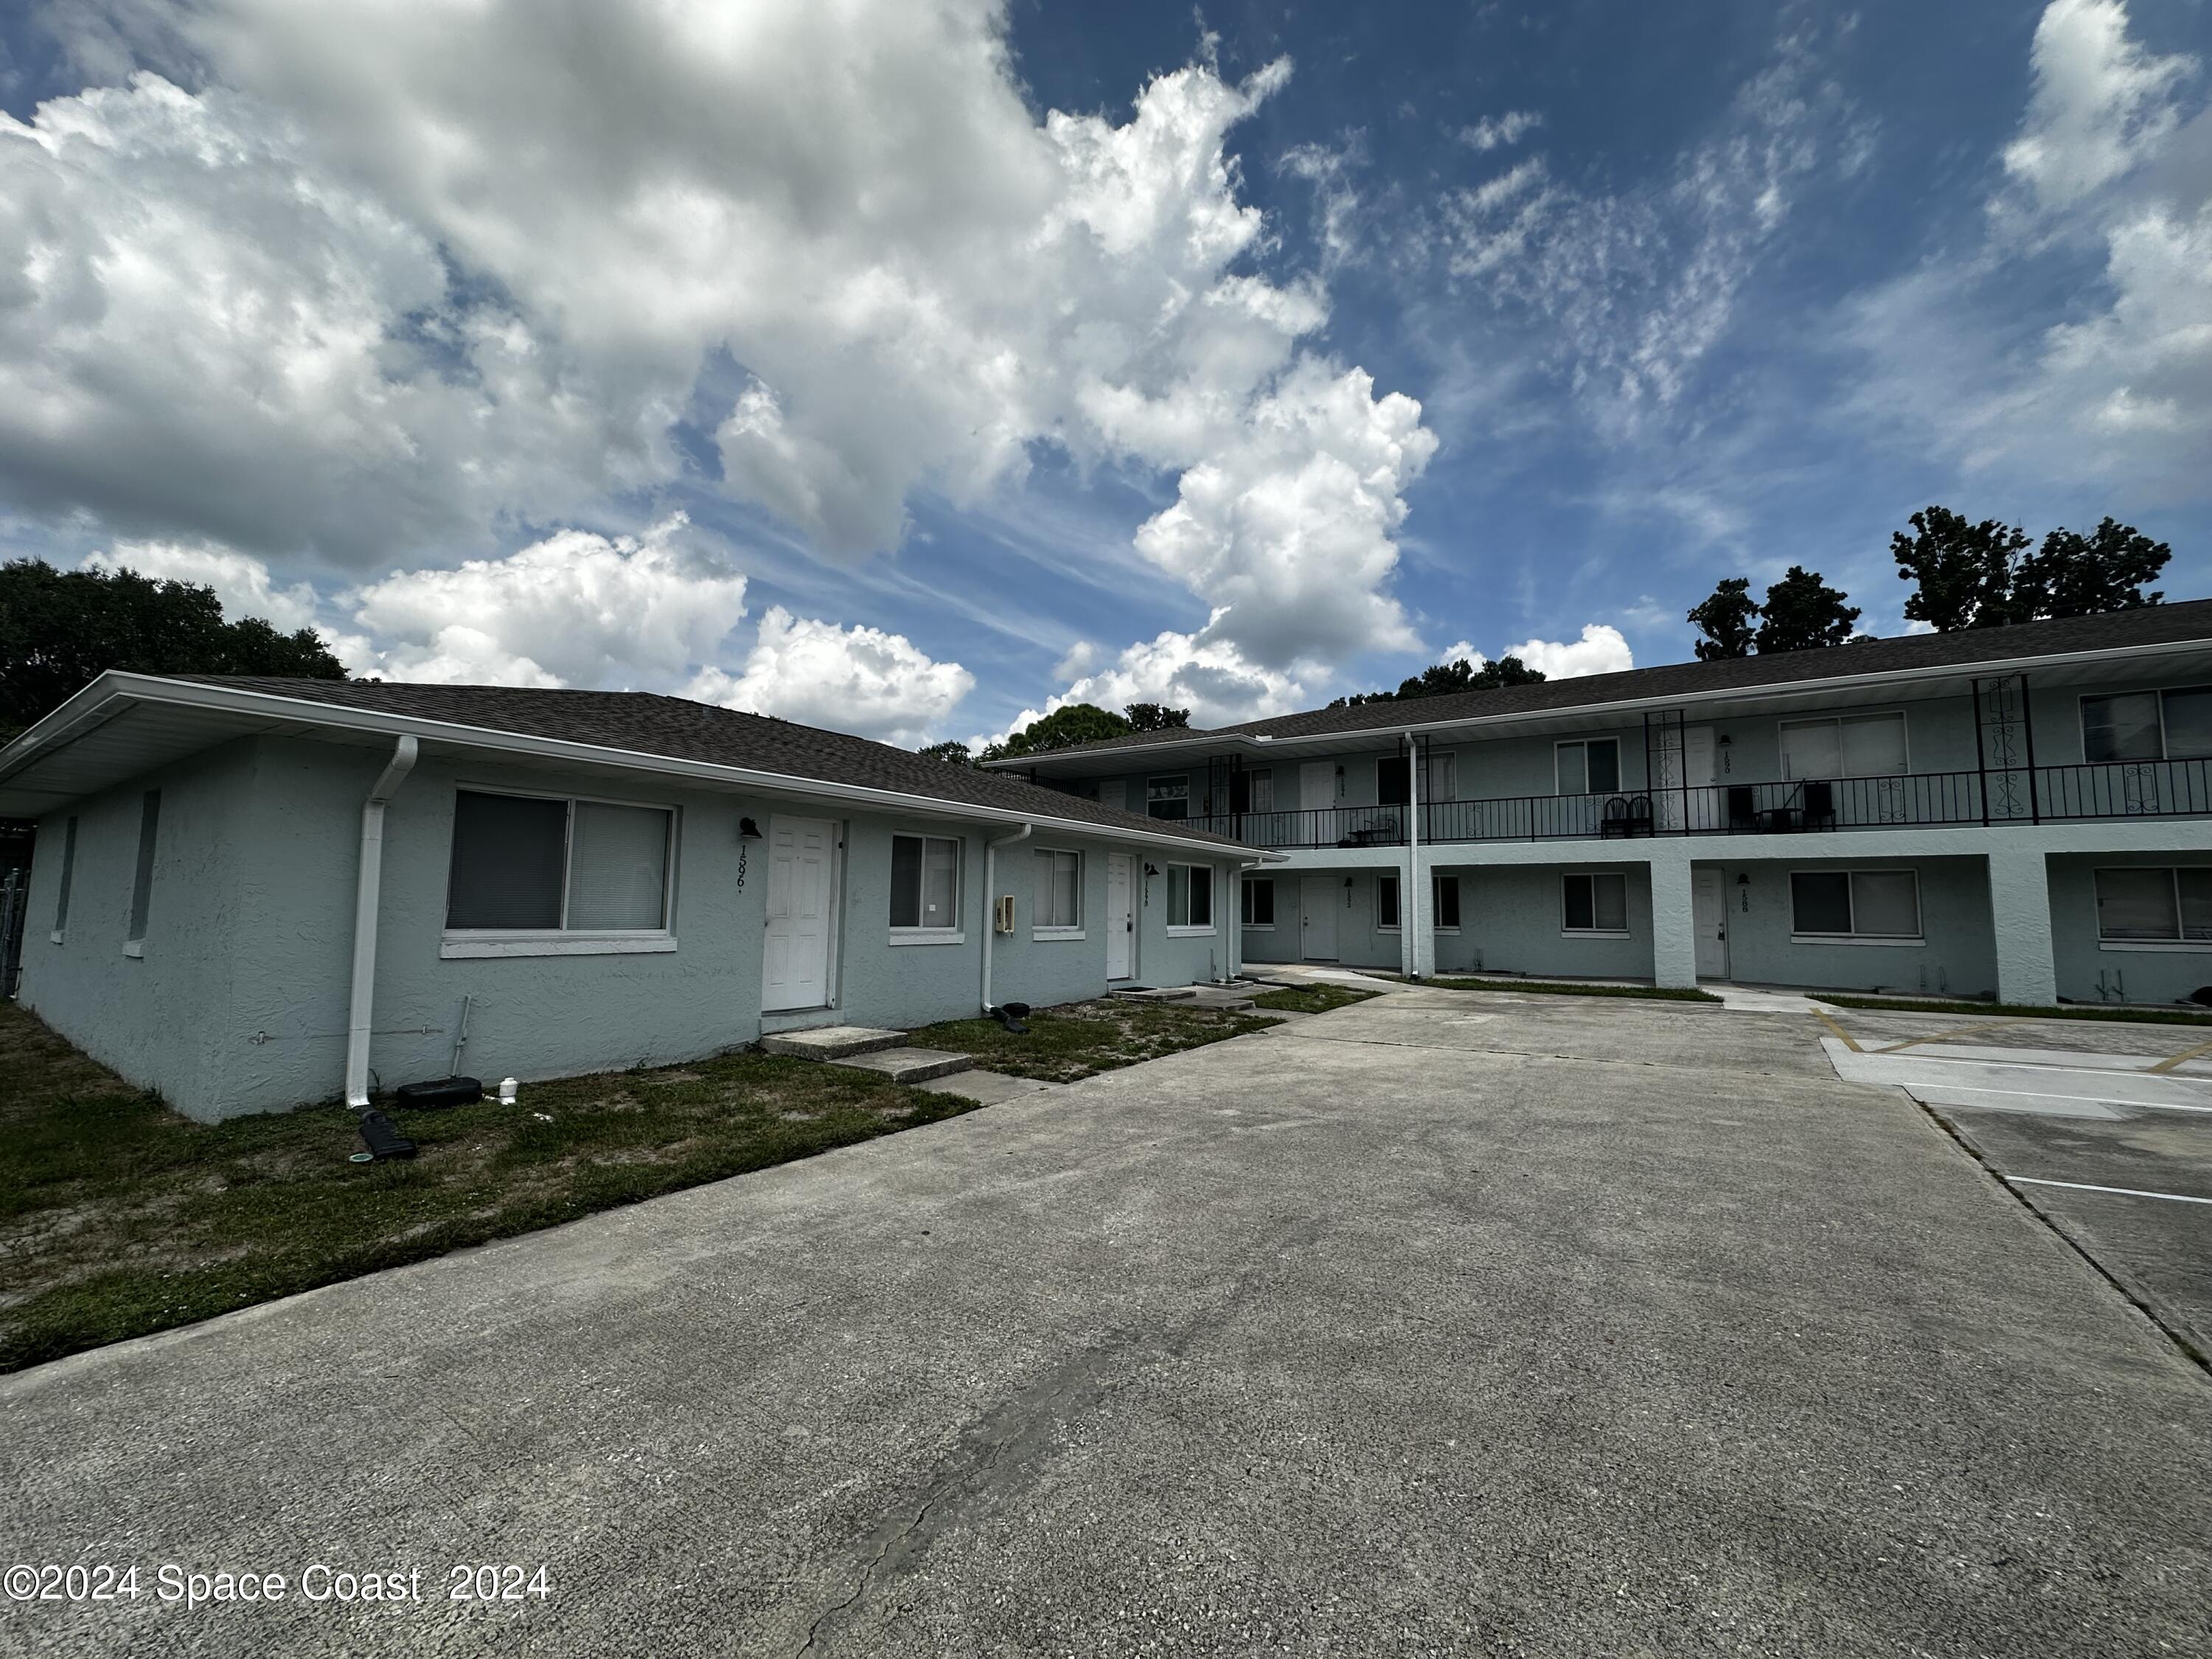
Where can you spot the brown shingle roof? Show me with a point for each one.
(2156, 624)
(643, 722)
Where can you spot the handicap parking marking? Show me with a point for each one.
(2092, 1186)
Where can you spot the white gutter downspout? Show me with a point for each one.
(1237, 919)
(1409, 903)
(991, 899)
(366, 886)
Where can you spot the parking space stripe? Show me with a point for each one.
(2167, 1064)
(1849, 1040)
(2091, 1187)
(1962, 1030)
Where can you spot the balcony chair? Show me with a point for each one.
(1742, 808)
(1613, 822)
(1819, 805)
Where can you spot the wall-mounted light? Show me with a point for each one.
(748, 833)
(1151, 869)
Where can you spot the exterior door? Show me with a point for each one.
(1121, 917)
(1319, 896)
(1709, 914)
(802, 856)
(1317, 789)
(1701, 773)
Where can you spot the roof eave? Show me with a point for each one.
(114, 691)
(1261, 741)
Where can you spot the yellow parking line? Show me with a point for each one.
(2186, 1053)
(1963, 1030)
(1850, 1042)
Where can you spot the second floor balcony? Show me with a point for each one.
(2042, 794)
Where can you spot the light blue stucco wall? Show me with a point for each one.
(156, 1018)
(2091, 970)
(1511, 921)
(1956, 955)
(240, 1002)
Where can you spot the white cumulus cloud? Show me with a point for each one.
(850, 679)
(575, 608)
(241, 582)
(2100, 102)
(1601, 650)
(1492, 131)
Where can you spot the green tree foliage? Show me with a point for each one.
(1982, 575)
(1156, 717)
(1728, 620)
(60, 630)
(2076, 575)
(1963, 571)
(1801, 612)
(1441, 679)
(951, 751)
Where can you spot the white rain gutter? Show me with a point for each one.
(368, 884)
(991, 899)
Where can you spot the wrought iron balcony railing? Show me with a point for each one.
(2043, 794)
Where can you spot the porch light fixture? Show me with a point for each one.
(1151, 869)
(747, 831)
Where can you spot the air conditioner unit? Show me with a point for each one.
(1003, 922)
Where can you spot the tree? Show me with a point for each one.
(1964, 572)
(1800, 611)
(1063, 728)
(1443, 678)
(951, 751)
(1980, 575)
(1727, 620)
(61, 630)
(2076, 575)
(1156, 717)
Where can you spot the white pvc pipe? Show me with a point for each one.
(366, 885)
(991, 900)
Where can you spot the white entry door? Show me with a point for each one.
(1317, 927)
(1316, 784)
(1682, 792)
(802, 858)
(1709, 915)
(1121, 917)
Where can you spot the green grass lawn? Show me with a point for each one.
(1082, 1039)
(118, 1216)
(1316, 998)
(2019, 1011)
(1647, 993)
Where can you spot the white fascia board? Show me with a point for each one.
(115, 691)
(1873, 681)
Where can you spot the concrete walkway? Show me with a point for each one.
(1561, 1326)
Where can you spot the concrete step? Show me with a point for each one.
(992, 1088)
(1173, 993)
(831, 1042)
(907, 1065)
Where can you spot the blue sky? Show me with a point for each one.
(908, 367)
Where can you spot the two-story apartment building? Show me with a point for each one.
(2023, 812)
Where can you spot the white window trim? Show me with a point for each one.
(2083, 699)
(2174, 874)
(1908, 941)
(1252, 927)
(1186, 931)
(455, 943)
(1619, 784)
(1567, 931)
(1905, 724)
(1183, 778)
(460, 944)
(1048, 934)
(957, 934)
(1381, 925)
(1436, 910)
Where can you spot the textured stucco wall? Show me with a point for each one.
(2090, 970)
(153, 1018)
(1510, 921)
(1957, 958)
(240, 1004)
(1361, 943)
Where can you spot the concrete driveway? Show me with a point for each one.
(1434, 1325)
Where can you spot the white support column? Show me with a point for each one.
(1674, 922)
(1416, 947)
(2019, 908)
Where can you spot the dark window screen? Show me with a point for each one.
(509, 853)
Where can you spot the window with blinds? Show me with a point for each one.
(1871, 904)
(2147, 726)
(1190, 898)
(531, 864)
(2155, 906)
(1594, 901)
(1853, 746)
(1058, 891)
(925, 883)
